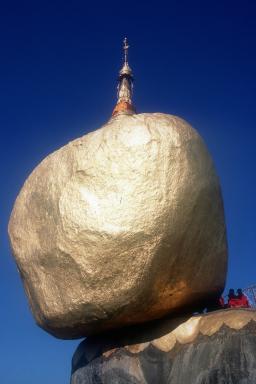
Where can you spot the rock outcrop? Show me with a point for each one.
(216, 348)
(121, 226)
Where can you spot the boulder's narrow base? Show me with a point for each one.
(217, 348)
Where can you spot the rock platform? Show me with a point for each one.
(214, 348)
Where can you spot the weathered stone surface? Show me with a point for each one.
(217, 348)
(120, 226)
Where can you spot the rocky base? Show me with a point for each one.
(217, 348)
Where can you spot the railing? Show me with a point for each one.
(250, 292)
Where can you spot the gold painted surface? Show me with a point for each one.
(235, 319)
(187, 331)
(166, 342)
(173, 331)
(136, 348)
(120, 226)
(207, 325)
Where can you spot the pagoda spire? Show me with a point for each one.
(125, 86)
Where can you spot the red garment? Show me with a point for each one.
(244, 302)
(234, 303)
(241, 302)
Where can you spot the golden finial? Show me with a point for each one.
(125, 86)
(125, 47)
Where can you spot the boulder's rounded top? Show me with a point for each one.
(146, 118)
(154, 125)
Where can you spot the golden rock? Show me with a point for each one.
(120, 226)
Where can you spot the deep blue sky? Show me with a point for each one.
(58, 67)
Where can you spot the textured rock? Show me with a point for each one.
(217, 348)
(120, 226)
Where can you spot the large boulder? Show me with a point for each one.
(121, 226)
(217, 348)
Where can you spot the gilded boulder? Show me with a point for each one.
(121, 226)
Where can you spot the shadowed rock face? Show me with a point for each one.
(226, 355)
(121, 226)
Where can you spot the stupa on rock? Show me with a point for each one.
(121, 226)
(125, 87)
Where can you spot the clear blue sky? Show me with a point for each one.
(58, 67)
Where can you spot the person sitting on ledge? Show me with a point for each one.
(232, 299)
(242, 299)
(237, 301)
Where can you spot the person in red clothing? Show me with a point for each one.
(243, 301)
(232, 299)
